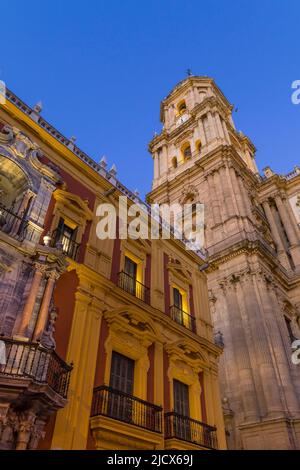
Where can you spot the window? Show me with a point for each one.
(121, 380)
(66, 235)
(130, 269)
(177, 298)
(186, 151)
(181, 398)
(121, 373)
(181, 107)
(182, 426)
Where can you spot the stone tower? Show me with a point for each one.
(253, 240)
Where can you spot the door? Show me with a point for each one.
(130, 269)
(120, 405)
(182, 426)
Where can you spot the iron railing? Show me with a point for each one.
(127, 408)
(69, 247)
(190, 430)
(134, 287)
(20, 359)
(183, 318)
(13, 224)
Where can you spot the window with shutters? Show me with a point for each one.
(121, 373)
(181, 398)
(182, 410)
(120, 405)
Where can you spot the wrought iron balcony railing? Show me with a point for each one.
(31, 360)
(183, 318)
(127, 408)
(190, 430)
(13, 224)
(69, 247)
(134, 287)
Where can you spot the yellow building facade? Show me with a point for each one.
(132, 316)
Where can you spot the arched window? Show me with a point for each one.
(181, 107)
(174, 162)
(186, 151)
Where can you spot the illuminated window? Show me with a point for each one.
(66, 236)
(177, 298)
(181, 107)
(130, 269)
(186, 151)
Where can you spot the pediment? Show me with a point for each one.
(73, 202)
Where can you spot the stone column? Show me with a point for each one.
(244, 196)
(226, 133)
(242, 210)
(274, 229)
(163, 161)
(29, 306)
(214, 199)
(284, 215)
(218, 413)
(156, 165)
(230, 173)
(219, 126)
(261, 355)
(44, 310)
(218, 199)
(211, 122)
(72, 423)
(158, 374)
(25, 428)
(250, 409)
(285, 219)
(282, 352)
(202, 132)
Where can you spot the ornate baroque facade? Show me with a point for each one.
(253, 240)
(130, 317)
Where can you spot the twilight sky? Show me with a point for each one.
(102, 67)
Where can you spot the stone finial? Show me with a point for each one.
(73, 139)
(103, 162)
(113, 170)
(38, 108)
(136, 193)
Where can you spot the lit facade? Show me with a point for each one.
(253, 240)
(117, 333)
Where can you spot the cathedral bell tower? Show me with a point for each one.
(200, 157)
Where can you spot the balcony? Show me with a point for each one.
(69, 247)
(183, 318)
(189, 430)
(12, 224)
(134, 287)
(127, 408)
(26, 361)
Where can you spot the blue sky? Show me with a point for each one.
(102, 67)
